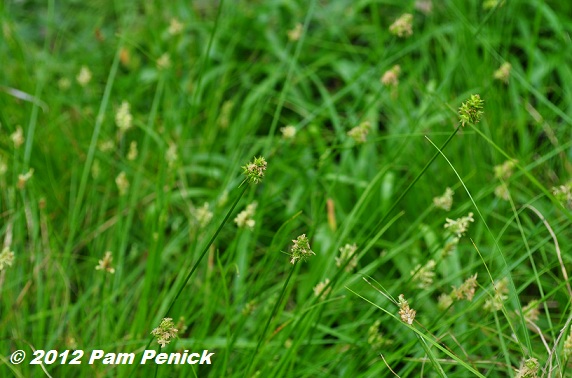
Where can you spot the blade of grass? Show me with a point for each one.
(501, 254)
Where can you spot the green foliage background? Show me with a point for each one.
(235, 79)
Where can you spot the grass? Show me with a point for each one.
(212, 85)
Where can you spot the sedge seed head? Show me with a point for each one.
(406, 313)
(123, 117)
(6, 258)
(17, 137)
(503, 73)
(403, 26)
(445, 201)
(319, 289)
(166, 332)
(459, 226)
(568, 346)
(106, 263)
(390, 77)
(471, 110)
(254, 171)
(84, 76)
(528, 369)
(346, 252)
(301, 249)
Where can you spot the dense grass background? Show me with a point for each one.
(235, 78)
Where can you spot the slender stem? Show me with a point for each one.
(78, 201)
(198, 92)
(269, 320)
(388, 213)
(204, 252)
(100, 330)
(403, 193)
(207, 247)
(383, 219)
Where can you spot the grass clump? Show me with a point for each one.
(421, 149)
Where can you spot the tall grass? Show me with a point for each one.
(212, 84)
